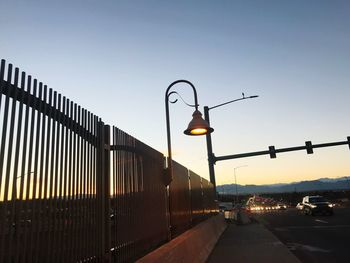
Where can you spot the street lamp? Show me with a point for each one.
(211, 157)
(234, 173)
(197, 126)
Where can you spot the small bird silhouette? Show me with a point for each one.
(243, 94)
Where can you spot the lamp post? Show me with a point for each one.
(197, 126)
(234, 173)
(211, 156)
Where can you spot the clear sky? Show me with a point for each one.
(116, 58)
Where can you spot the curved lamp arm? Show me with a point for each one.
(167, 93)
(197, 120)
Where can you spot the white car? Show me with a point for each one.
(300, 206)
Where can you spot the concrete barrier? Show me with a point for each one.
(239, 216)
(195, 245)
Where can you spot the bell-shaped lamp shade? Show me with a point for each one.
(198, 126)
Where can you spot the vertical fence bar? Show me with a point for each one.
(53, 184)
(113, 201)
(117, 203)
(2, 74)
(118, 198)
(36, 134)
(85, 162)
(12, 185)
(94, 188)
(78, 192)
(2, 153)
(65, 213)
(88, 209)
(81, 223)
(70, 224)
(106, 193)
(126, 195)
(29, 187)
(45, 210)
(19, 207)
(90, 204)
(122, 210)
(40, 201)
(60, 238)
(55, 177)
(74, 198)
(99, 191)
(123, 186)
(5, 217)
(83, 177)
(47, 206)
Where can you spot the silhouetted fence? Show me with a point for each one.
(192, 199)
(73, 189)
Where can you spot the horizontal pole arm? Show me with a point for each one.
(222, 104)
(272, 151)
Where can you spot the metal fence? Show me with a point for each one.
(48, 174)
(180, 200)
(138, 198)
(73, 189)
(192, 199)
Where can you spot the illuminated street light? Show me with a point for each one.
(197, 126)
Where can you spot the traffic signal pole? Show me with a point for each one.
(273, 151)
(211, 157)
(211, 161)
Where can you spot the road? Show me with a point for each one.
(311, 238)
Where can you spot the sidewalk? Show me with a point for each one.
(250, 243)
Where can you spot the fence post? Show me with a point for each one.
(103, 194)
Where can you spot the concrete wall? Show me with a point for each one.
(195, 245)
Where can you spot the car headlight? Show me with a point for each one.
(330, 205)
(313, 206)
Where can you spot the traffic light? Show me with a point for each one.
(309, 149)
(272, 151)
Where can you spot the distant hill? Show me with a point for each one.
(342, 183)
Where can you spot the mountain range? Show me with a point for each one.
(342, 183)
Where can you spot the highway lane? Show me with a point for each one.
(311, 238)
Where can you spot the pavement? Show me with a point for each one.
(318, 238)
(250, 242)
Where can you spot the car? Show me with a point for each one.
(222, 208)
(316, 205)
(225, 206)
(299, 206)
(281, 206)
